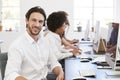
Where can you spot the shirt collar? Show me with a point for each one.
(54, 34)
(30, 39)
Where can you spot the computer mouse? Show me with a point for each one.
(84, 60)
(79, 78)
(82, 39)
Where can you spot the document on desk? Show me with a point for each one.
(83, 56)
(113, 73)
(99, 59)
(104, 67)
(89, 72)
(86, 42)
(85, 48)
(111, 79)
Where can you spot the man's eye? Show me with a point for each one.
(41, 21)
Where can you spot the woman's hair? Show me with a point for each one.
(56, 19)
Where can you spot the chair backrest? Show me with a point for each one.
(3, 61)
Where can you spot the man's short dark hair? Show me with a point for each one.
(35, 9)
(56, 20)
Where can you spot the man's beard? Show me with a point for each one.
(32, 33)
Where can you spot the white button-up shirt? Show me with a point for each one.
(57, 49)
(29, 59)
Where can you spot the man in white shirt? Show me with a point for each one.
(30, 55)
(56, 23)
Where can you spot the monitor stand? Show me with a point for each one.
(98, 46)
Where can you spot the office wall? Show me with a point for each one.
(117, 11)
(0, 9)
(48, 5)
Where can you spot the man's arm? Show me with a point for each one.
(59, 72)
(109, 45)
(11, 72)
(55, 66)
(112, 49)
(20, 78)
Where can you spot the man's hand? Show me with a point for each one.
(59, 72)
(20, 78)
(60, 76)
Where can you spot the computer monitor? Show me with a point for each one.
(97, 42)
(117, 60)
(87, 31)
(113, 58)
(97, 32)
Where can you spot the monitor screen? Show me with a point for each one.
(97, 31)
(112, 48)
(96, 36)
(87, 31)
(117, 60)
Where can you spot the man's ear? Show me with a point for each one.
(26, 21)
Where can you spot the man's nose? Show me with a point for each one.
(37, 24)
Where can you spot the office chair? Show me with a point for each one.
(3, 61)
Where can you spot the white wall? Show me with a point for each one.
(0, 9)
(117, 11)
(7, 38)
(48, 5)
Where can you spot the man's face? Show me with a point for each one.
(35, 23)
(115, 25)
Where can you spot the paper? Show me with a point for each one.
(111, 79)
(113, 73)
(99, 59)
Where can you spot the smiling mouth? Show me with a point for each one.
(36, 27)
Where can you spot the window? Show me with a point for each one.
(10, 14)
(92, 11)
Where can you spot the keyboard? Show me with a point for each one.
(89, 72)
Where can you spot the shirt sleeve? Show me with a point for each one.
(52, 61)
(60, 55)
(58, 51)
(13, 64)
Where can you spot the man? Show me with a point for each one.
(27, 57)
(112, 43)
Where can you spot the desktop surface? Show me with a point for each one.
(73, 66)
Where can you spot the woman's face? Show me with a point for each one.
(61, 30)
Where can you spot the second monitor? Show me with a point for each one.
(98, 41)
(113, 47)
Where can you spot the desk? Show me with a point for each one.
(72, 66)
